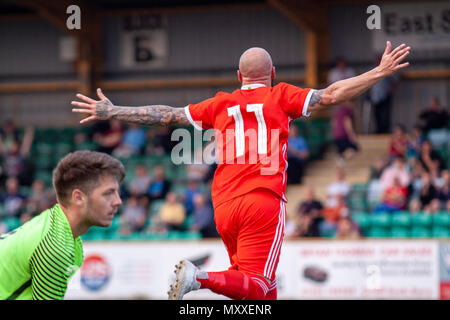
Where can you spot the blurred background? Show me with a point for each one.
(372, 172)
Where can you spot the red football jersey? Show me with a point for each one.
(251, 127)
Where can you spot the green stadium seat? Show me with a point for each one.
(420, 232)
(421, 219)
(440, 232)
(44, 148)
(400, 232)
(378, 232)
(441, 219)
(381, 220)
(401, 220)
(363, 220)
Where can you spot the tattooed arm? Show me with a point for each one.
(344, 90)
(156, 115)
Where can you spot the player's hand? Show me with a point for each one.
(390, 61)
(96, 110)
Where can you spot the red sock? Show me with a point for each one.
(235, 285)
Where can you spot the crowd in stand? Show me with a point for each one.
(412, 175)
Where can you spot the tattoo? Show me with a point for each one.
(316, 98)
(156, 115)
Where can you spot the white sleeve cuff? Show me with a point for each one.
(188, 115)
(305, 112)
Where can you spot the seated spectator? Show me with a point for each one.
(376, 170)
(332, 213)
(13, 202)
(109, 139)
(398, 144)
(415, 141)
(193, 189)
(203, 217)
(15, 158)
(160, 141)
(433, 207)
(133, 142)
(337, 189)
(444, 190)
(395, 198)
(141, 182)
(346, 229)
(160, 186)
(133, 217)
(415, 206)
(428, 191)
(308, 217)
(397, 169)
(39, 200)
(297, 155)
(343, 133)
(171, 215)
(429, 158)
(434, 120)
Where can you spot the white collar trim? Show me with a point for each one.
(252, 86)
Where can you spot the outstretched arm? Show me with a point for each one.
(347, 89)
(156, 115)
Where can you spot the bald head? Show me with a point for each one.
(255, 64)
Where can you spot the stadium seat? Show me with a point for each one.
(441, 219)
(400, 232)
(440, 232)
(420, 232)
(401, 220)
(378, 232)
(363, 220)
(12, 223)
(421, 219)
(381, 220)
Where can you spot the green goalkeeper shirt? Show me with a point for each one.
(38, 258)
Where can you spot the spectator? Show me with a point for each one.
(415, 206)
(109, 139)
(395, 198)
(444, 190)
(134, 216)
(381, 98)
(171, 215)
(332, 213)
(140, 184)
(429, 158)
(191, 191)
(433, 207)
(427, 191)
(203, 217)
(39, 200)
(15, 157)
(414, 142)
(376, 170)
(398, 170)
(346, 229)
(297, 154)
(202, 170)
(337, 189)
(13, 201)
(308, 217)
(398, 144)
(344, 135)
(161, 141)
(8, 135)
(341, 71)
(434, 117)
(160, 186)
(133, 142)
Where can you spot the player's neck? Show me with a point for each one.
(265, 81)
(76, 223)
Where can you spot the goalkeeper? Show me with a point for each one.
(38, 258)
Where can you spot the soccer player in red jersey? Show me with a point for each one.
(251, 126)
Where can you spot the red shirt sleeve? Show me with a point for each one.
(200, 114)
(295, 100)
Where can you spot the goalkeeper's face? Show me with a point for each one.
(103, 202)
